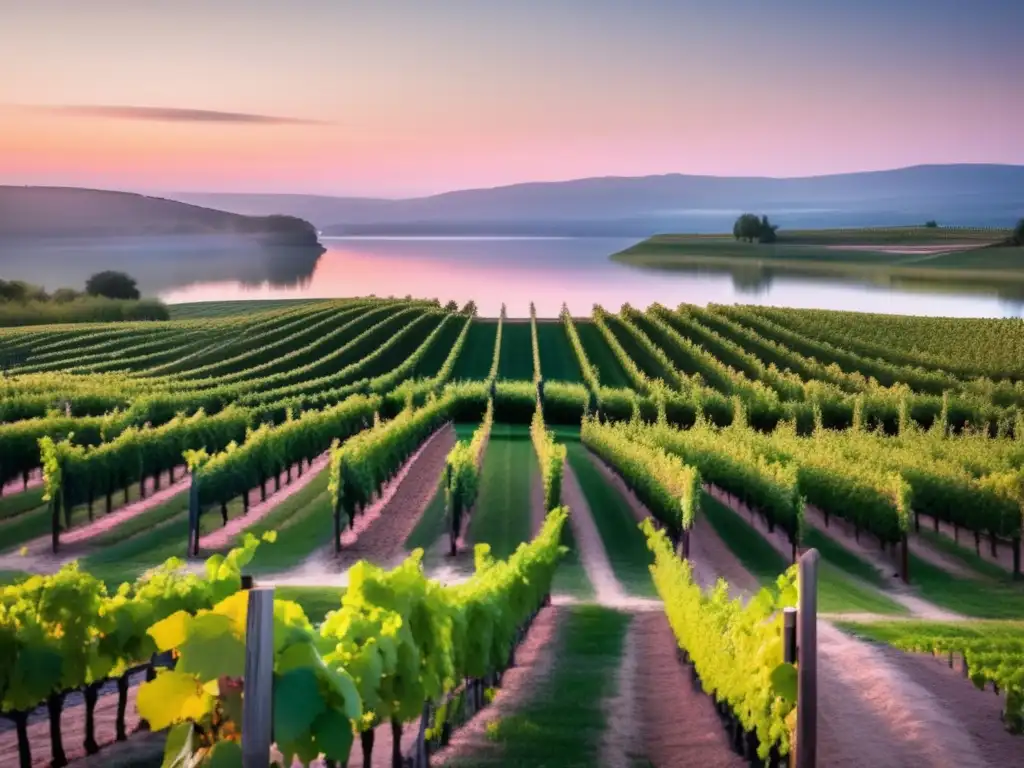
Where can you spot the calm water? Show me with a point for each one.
(488, 270)
(548, 271)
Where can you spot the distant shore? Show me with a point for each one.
(937, 253)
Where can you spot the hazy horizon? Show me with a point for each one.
(404, 100)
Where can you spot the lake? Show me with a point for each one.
(516, 271)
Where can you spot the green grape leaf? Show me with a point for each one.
(37, 671)
(342, 683)
(179, 747)
(297, 703)
(225, 754)
(212, 650)
(171, 632)
(300, 655)
(784, 682)
(172, 696)
(334, 735)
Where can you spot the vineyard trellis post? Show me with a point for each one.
(807, 666)
(257, 703)
(193, 516)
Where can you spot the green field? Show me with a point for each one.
(206, 309)
(561, 723)
(502, 514)
(477, 355)
(906, 251)
(438, 353)
(836, 592)
(516, 362)
(624, 543)
(609, 369)
(558, 360)
(930, 409)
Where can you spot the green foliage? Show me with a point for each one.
(269, 450)
(360, 466)
(552, 459)
(65, 630)
(666, 486)
(736, 648)
(112, 285)
(750, 228)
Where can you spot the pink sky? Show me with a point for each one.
(457, 95)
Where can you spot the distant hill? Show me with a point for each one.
(31, 212)
(976, 195)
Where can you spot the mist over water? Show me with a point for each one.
(488, 270)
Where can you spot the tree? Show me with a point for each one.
(933, 224)
(747, 227)
(1018, 233)
(113, 285)
(64, 295)
(767, 231)
(19, 290)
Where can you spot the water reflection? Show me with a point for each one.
(159, 264)
(490, 271)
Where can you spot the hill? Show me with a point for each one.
(976, 195)
(31, 212)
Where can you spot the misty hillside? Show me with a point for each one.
(979, 195)
(70, 212)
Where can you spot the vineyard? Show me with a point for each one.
(513, 541)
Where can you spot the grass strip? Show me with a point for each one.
(564, 721)
(625, 545)
(836, 593)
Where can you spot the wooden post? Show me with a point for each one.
(55, 520)
(904, 559)
(257, 704)
(807, 669)
(193, 517)
(789, 644)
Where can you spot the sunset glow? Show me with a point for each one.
(475, 94)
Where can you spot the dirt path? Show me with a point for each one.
(12, 487)
(978, 712)
(928, 552)
(323, 567)
(677, 723)
(534, 659)
(870, 713)
(592, 554)
(224, 536)
(39, 557)
(1004, 554)
(73, 727)
(869, 551)
(777, 538)
(383, 541)
(710, 558)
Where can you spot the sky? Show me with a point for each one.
(396, 99)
